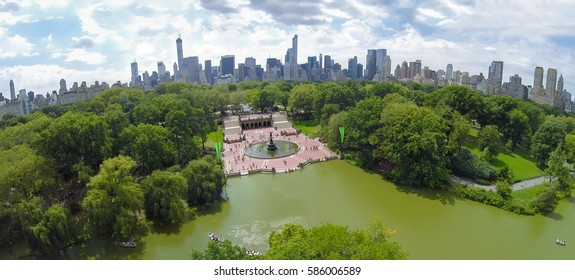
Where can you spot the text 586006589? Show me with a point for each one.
(334, 270)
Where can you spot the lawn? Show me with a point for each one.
(519, 161)
(213, 137)
(310, 127)
(528, 193)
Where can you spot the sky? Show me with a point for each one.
(44, 41)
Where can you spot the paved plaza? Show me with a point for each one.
(237, 163)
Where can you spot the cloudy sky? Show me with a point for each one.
(46, 40)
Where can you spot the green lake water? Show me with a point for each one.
(428, 224)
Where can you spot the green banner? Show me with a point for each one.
(341, 133)
(219, 149)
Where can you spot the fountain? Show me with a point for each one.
(271, 145)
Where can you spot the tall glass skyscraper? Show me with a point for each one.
(227, 64)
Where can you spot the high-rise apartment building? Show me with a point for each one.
(12, 91)
(387, 67)
(293, 59)
(551, 82)
(414, 69)
(180, 53)
(538, 79)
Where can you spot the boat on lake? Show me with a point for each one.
(213, 237)
(560, 242)
(128, 244)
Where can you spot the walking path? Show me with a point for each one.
(516, 186)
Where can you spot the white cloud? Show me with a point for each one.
(81, 55)
(16, 46)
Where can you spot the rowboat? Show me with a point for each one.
(560, 242)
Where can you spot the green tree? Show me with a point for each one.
(114, 202)
(224, 250)
(362, 121)
(237, 98)
(23, 133)
(333, 242)
(517, 127)
(187, 126)
(301, 98)
(332, 130)
(205, 179)
(414, 140)
(24, 174)
(74, 138)
(546, 201)
(44, 230)
(546, 140)
(458, 131)
(504, 189)
(117, 121)
(489, 141)
(383, 89)
(570, 148)
(149, 145)
(557, 168)
(164, 196)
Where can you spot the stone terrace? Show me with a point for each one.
(236, 163)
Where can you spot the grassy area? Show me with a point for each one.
(519, 161)
(213, 137)
(528, 193)
(310, 127)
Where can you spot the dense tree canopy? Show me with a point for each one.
(114, 202)
(206, 180)
(546, 140)
(414, 139)
(149, 145)
(164, 196)
(74, 138)
(333, 242)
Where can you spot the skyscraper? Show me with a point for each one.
(449, 72)
(327, 62)
(63, 87)
(538, 79)
(134, 80)
(560, 84)
(161, 68)
(495, 77)
(180, 53)
(352, 68)
(414, 69)
(370, 64)
(208, 72)
(12, 91)
(293, 59)
(551, 83)
(380, 63)
(387, 67)
(227, 64)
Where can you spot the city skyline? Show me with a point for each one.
(50, 40)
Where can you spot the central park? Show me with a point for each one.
(420, 173)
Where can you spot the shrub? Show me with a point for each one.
(466, 164)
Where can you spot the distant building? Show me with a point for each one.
(227, 65)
